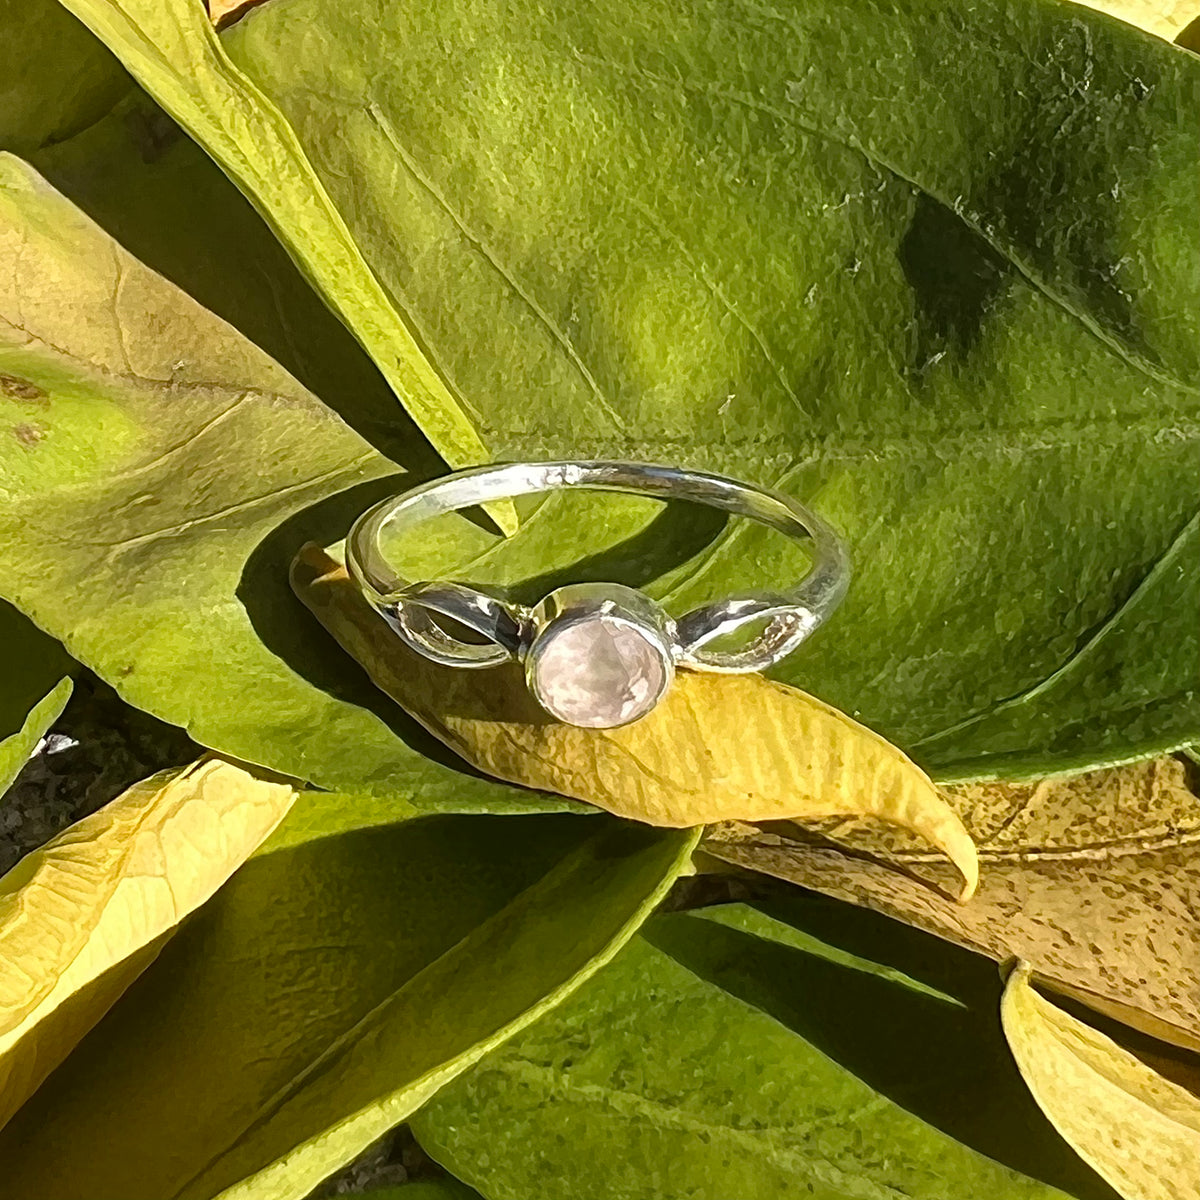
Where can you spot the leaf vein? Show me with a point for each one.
(642, 1109)
(1024, 268)
(489, 256)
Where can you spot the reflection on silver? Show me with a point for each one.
(631, 631)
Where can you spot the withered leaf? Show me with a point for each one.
(81, 917)
(716, 748)
(1138, 1130)
(1095, 879)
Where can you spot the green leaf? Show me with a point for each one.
(1146, 655)
(172, 50)
(34, 688)
(159, 471)
(33, 664)
(55, 78)
(425, 1189)
(950, 294)
(916, 322)
(326, 991)
(16, 748)
(730, 1053)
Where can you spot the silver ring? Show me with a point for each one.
(597, 655)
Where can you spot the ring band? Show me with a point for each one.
(596, 654)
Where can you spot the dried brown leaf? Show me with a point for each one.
(717, 748)
(1094, 878)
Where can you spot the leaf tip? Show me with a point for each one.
(967, 862)
(312, 562)
(1016, 971)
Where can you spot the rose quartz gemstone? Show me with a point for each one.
(598, 673)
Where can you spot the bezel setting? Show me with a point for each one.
(635, 653)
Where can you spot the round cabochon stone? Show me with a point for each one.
(599, 673)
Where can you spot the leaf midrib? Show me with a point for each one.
(639, 1109)
(1022, 266)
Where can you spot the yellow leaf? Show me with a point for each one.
(1137, 1129)
(1166, 18)
(719, 747)
(82, 916)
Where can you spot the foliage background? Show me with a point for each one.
(932, 266)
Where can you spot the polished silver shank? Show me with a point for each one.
(789, 615)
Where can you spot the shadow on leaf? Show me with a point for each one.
(942, 1058)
